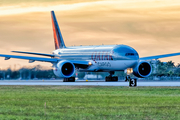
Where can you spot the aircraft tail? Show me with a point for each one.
(58, 39)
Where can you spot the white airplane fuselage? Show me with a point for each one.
(103, 57)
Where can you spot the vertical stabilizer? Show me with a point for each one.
(58, 39)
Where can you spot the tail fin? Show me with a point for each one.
(58, 39)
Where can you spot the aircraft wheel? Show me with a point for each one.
(110, 79)
(71, 79)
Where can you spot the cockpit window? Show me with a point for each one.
(125, 52)
(129, 54)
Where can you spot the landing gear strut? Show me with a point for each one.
(128, 78)
(71, 79)
(111, 77)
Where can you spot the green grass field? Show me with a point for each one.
(89, 102)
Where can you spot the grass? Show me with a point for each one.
(89, 102)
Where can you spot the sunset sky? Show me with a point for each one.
(152, 27)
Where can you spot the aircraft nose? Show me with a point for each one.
(123, 52)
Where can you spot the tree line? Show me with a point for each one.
(165, 68)
(36, 72)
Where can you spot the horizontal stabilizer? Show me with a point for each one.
(33, 53)
(52, 60)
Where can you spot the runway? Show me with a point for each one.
(84, 83)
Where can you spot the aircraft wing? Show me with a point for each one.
(33, 53)
(159, 56)
(78, 63)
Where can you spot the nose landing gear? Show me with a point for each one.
(128, 78)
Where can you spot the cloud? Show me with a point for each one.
(96, 5)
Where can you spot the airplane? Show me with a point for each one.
(100, 58)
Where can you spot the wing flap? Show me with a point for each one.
(159, 56)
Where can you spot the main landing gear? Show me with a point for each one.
(111, 78)
(71, 79)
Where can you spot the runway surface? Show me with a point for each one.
(84, 83)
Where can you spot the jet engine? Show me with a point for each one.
(142, 70)
(64, 69)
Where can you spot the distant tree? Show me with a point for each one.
(15, 74)
(178, 65)
(170, 64)
(8, 73)
(161, 68)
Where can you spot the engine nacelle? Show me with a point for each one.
(142, 70)
(64, 69)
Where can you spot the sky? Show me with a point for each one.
(152, 27)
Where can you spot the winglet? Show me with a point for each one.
(58, 39)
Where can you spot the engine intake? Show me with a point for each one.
(64, 69)
(142, 70)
